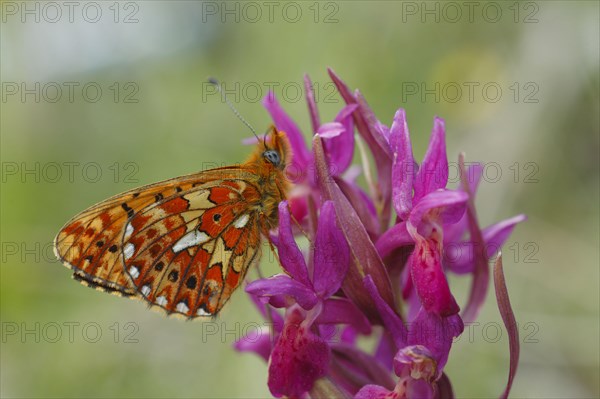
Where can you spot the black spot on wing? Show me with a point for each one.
(191, 282)
(173, 276)
(127, 209)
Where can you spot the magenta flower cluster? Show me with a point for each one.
(377, 263)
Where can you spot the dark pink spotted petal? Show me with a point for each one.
(376, 392)
(298, 359)
(428, 277)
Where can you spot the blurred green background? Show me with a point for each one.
(517, 83)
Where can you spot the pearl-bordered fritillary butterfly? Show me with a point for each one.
(185, 244)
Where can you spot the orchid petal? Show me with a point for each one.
(257, 341)
(282, 285)
(385, 350)
(358, 368)
(343, 311)
(396, 237)
(444, 388)
(510, 323)
(365, 259)
(338, 139)
(433, 173)
(428, 276)
(290, 256)
(436, 334)
(411, 298)
(383, 129)
(327, 388)
(407, 388)
(274, 316)
(284, 123)
(331, 256)
(374, 392)
(352, 173)
(403, 166)
(331, 133)
(392, 322)
(366, 125)
(298, 207)
(330, 130)
(448, 206)
(415, 361)
(419, 389)
(473, 178)
(374, 133)
(364, 118)
(312, 105)
(349, 335)
(496, 234)
(459, 257)
(341, 147)
(479, 285)
(455, 231)
(383, 159)
(298, 359)
(362, 204)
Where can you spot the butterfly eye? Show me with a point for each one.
(272, 156)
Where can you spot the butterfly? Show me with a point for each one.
(185, 244)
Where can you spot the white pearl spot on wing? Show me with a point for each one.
(182, 307)
(128, 231)
(134, 272)
(128, 250)
(202, 312)
(241, 221)
(145, 290)
(161, 300)
(190, 239)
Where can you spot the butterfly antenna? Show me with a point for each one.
(216, 83)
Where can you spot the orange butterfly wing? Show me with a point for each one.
(188, 253)
(184, 244)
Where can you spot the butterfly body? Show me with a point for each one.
(185, 244)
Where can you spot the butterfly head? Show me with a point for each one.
(273, 157)
(275, 149)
